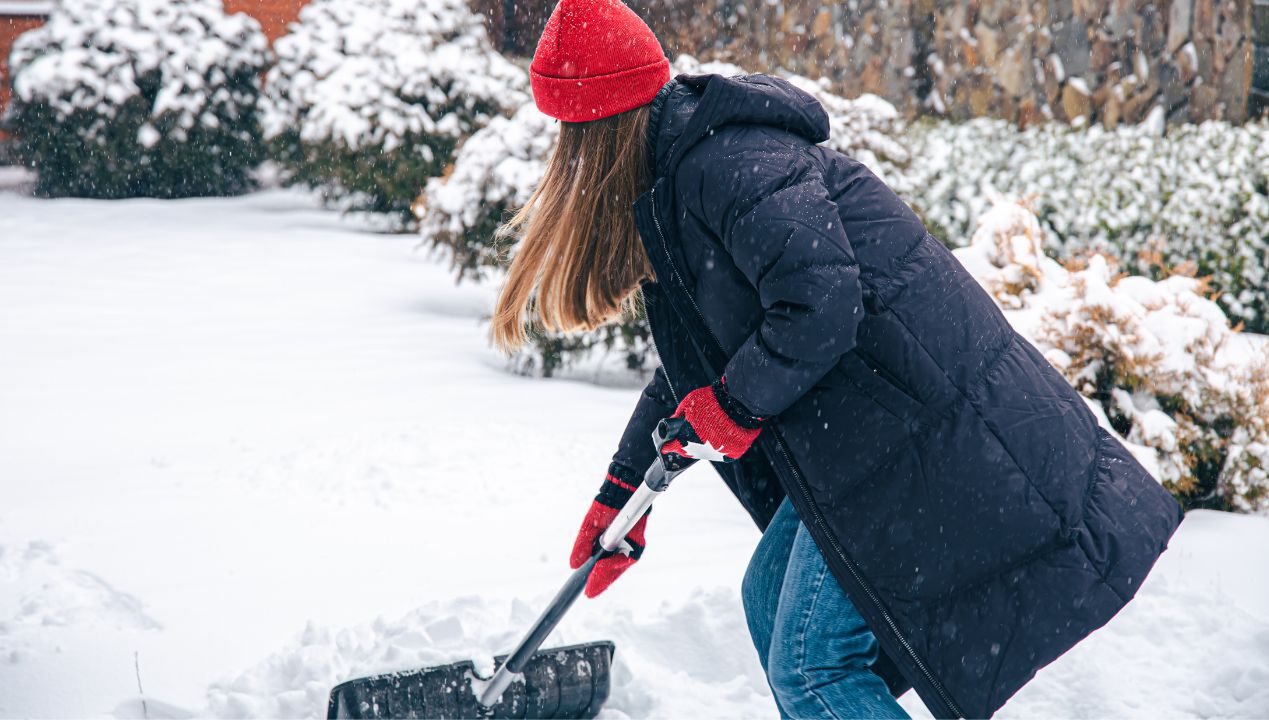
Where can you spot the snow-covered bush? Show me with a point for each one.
(1196, 198)
(370, 97)
(1006, 254)
(1159, 359)
(495, 171)
(123, 98)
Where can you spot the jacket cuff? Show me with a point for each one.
(738, 413)
(618, 486)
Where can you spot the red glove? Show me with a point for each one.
(716, 428)
(612, 496)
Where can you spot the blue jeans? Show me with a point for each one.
(816, 649)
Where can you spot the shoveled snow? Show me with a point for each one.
(250, 450)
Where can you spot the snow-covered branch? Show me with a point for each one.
(370, 97)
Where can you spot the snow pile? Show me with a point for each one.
(497, 168)
(694, 658)
(296, 682)
(678, 647)
(48, 607)
(1196, 198)
(120, 98)
(1151, 354)
(370, 97)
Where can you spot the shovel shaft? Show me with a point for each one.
(629, 514)
(537, 634)
(554, 612)
(655, 481)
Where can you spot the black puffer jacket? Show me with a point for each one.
(963, 494)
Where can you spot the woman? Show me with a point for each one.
(941, 509)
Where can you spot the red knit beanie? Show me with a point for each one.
(596, 58)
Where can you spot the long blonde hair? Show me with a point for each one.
(579, 259)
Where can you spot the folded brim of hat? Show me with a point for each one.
(580, 99)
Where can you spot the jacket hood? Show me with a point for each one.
(690, 107)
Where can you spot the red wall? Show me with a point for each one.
(272, 14)
(11, 26)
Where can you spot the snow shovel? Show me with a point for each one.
(564, 682)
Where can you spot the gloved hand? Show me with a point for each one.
(613, 494)
(714, 426)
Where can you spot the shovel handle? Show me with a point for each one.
(626, 518)
(655, 482)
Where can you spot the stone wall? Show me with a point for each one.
(864, 46)
(1103, 61)
(1106, 61)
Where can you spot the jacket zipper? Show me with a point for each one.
(665, 247)
(806, 495)
(669, 383)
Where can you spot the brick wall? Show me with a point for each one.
(11, 26)
(274, 15)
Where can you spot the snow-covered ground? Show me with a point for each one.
(249, 449)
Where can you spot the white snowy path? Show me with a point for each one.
(257, 450)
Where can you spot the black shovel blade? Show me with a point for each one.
(565, 682)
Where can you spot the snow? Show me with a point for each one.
(26, 7)
(1059, 68)
(252, 449)
(16, 179)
